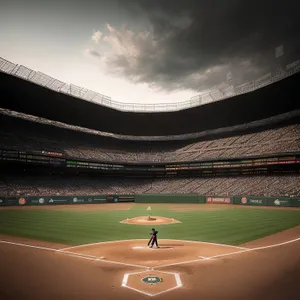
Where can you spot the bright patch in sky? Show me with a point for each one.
(158, 51)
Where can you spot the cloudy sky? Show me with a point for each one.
(150, 51)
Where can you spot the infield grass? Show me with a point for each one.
(226, 226)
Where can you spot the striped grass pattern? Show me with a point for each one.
(225, 226)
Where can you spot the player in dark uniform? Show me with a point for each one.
(150, 237)
(153, 238)
(151, 233)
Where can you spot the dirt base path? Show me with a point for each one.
(137, 252)
(280, 237)
(36, 243)
(130, 270)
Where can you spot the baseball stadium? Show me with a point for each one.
(140, 195)
(79, 196)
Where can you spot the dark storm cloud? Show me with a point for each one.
(210, 38)
(94, 53)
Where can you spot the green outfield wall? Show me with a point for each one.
(170, 198)
(267, 201)
(61, 200)
(151, 198)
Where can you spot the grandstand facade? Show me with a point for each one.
(56, 85)
(266, 102)
(54, 144)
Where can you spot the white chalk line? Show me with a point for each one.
(98, 243)
(168, 290)
(131, 288)
(125, 279)
(178, 280)
(275, 245)
(178, 263)
(84, 257)
(132, 240)
(29, 246)
(63, 250)
(124, 264)
(228, 254)
(80, 254)
(101, 258)
(151, 295)
(73, 254)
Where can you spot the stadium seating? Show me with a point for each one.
(16, 133)
(288, 185)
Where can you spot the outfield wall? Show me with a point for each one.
(170, 198)
(267, 201)
(254, 200)
(60, 200)
(151, 198)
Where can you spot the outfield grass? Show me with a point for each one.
(232, 226)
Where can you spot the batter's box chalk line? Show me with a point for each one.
(203, 257)
(64, 250)
(120, 241)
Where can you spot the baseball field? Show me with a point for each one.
(93, 252)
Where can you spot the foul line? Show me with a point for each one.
(131, 288)
(124, 264)
(120, 241)
(101, 258)
(90, 257)
(203, 257)
(228, 254)
(74, 254)
(29, 246)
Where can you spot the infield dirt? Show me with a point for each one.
(272, 273)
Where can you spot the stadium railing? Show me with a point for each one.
(44, 80)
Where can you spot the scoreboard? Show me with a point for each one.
(55, 159)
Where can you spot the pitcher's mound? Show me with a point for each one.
(147, 220)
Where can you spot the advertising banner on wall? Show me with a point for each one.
(58, 200)
(295, 202)
(279, 201)
(126, 198)
(15, 201)
(38, 200)
(267, 201)
(240, 200)
(79, 200)
(112, 198)
(99, 199)
(2, 201)
(251, 200)
(218, 200)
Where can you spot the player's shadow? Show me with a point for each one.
(171, 245)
